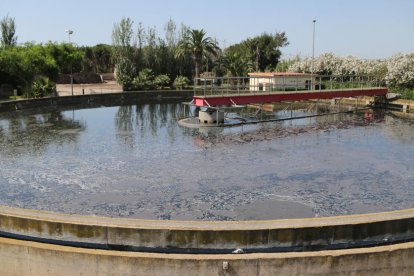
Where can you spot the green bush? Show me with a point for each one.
(162, 81)
(406, 93)
(181, 82)
(124, 71)
(144, 80)
(42, 87)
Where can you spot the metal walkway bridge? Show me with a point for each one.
(215, 92)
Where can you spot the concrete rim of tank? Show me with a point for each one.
(42, 215)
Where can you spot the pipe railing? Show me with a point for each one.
(262, 85)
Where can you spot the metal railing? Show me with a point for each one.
(282, 84)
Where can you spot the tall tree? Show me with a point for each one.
(262, 51)
(8, 32)
(103, 58)
(196, 42)
(265, 50)
(168, 49)
(139, 58)
(184, 62)
(122, 35)
(97, 59)
(151, 48)
(170, 33)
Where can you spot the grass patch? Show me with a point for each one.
(406, 93)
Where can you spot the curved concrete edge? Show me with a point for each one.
(205, 225)
(31, 258)
(218, 236)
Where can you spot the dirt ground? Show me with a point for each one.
(96, 88)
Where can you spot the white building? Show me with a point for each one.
(281, 81)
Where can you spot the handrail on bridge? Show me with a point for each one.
(284, 83)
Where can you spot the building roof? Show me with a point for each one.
(280, 74)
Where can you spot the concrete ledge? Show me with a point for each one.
(31, 258)
(208, 237)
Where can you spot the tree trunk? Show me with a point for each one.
(197, 70)
(197, 63)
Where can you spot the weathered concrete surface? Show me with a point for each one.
(199, 236)
(31, 258)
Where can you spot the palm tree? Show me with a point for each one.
(236, 65)
(196, 42)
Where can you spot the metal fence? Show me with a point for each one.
(279, 84)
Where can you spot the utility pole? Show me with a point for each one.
(71, 73)
(313, 48)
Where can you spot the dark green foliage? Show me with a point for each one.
(125, 72)
(187, 53)
(133, 53)
(67, 57)
(162, 81)
(144, 80)
(262, 52)
(27, 62)
(42, 87)
(102, 58)
(97, 59)
(236, 64)
(265, 50)
(181, 82)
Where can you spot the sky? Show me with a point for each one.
(371, 29)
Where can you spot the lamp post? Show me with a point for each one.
(71, 73)
(313, 48)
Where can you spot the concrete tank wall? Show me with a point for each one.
(212, 237)
(31, 258)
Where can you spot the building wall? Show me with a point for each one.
(280, 83)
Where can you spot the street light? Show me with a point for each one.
(313, 47)
(69, 31)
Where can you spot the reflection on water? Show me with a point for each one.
(26, 133)
(135, 161)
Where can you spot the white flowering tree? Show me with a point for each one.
(400, 71)
(330, 64)
(396, 72)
